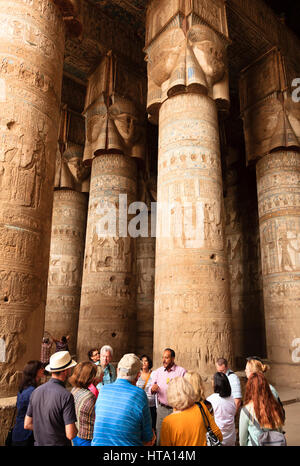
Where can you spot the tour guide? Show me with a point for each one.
(161, 378)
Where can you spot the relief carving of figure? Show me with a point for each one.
(23, 169)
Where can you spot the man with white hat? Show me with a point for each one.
(51, 411)
(122, 413)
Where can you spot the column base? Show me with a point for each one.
(7, 413)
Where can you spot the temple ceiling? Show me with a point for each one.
(119, 25)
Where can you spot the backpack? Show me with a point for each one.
(268, 437)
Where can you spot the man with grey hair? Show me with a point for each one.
(106, 354)
(122, 413)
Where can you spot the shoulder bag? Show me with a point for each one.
(268, 437)
(211, 439)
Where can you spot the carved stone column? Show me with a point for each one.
(114, 139)
(67, 246)
(32, 36)
(272, 133)
(186, 74)
(145, 273)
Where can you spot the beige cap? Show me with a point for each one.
(60, 361)
(130, 364)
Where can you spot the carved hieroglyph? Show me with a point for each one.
(186, 71)
(107, 308)
(32, 36)
(278, 178)
(66, 263)
(272, 130)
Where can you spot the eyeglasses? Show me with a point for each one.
(256, 358)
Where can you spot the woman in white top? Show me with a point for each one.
(145, 381)
(224, 408)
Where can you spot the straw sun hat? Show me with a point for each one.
(60, 361)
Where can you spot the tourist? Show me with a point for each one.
(145, 382)
(224, 408)
(32, 374)
(46, 350)
(51, 411)
(122, 411)
(99, 377)
(235, 384)
(197, 383)
(62, 344)
(260, 411)
(83, 376)
(94, 356)
(161, 378)
(109, 375)
(185, 426)
(255, 364)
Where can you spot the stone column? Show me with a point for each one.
(271, 122)
(145, 272)
(186, 75)
(67, 246)
(114, 140)
(32, 36)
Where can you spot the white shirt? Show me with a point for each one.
(224, 412)
(141, 383)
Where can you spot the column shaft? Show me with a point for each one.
(107, 310)
(66, 261)
(192, 300)
(31, 63)
(278, 178)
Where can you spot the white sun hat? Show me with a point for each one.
(60, 361)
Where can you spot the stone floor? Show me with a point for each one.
(291, 400)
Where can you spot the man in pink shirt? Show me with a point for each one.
(161, 378)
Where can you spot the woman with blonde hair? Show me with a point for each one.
(195, 379)
(260, 411)
(185, 426)
(255, 364)
(83, 376)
